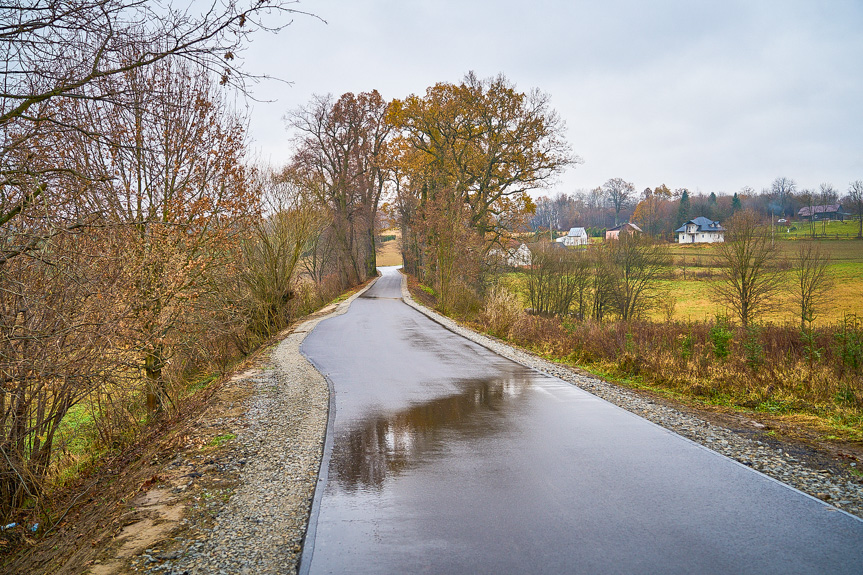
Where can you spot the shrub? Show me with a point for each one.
(752, 348)
(850, 345)
(720, 337)
(502, 311)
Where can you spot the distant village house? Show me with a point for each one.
(575, 237)
(514, 256)
(627, 228)
(700, 231)
(825, 212)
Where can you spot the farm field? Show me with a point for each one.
(824, 229)
(693, 297)
(388, 252)
(693, 270)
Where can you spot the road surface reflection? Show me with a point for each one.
(385, 445)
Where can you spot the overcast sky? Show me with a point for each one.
(711, 96)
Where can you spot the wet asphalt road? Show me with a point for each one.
(446, 458)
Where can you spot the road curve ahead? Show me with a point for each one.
(446, 458)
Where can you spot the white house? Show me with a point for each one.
(518, 257)
(513, 256)
(575, 237)
(700, 231)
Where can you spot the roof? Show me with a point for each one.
(623, 225)
(576, 232)
(704, 225)
(807, 211)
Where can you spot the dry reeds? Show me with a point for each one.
(771, 367)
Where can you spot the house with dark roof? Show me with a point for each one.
(700, 231)
(626, 228)
(824, 212)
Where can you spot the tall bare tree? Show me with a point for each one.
(630, 267)
(619, 193)
(812, 281)
(342, 160)
(58, 52)
(783, 190)
(748, 279)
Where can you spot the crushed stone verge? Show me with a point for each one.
(257, 522)
(844, 493)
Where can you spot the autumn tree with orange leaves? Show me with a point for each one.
(475, 148)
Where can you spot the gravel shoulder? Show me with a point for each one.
(236, 496)
(798, 468)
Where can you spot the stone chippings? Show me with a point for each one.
(843, 493)
(260, 529)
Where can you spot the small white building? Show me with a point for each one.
(575, 237)
(700, 231)
(513, 256)
(519, 257)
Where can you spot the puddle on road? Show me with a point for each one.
(386, 445)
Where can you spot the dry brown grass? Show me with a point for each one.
(694, 301)
(774, 370)
(389, 252)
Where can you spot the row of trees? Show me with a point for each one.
(661, 210)
(616, 278)
(140, 247)
(137, 245)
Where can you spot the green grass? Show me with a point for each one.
(80, 445)
(799, 229)
(220, 440)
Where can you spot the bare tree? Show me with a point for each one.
(632, 264)
(271, 256)
(58, 52)
(813, 281)
(783, 190)
(855, 196)
(748, 280)
(827, 195)
(619, 193)
(807, 196)
(558, 280)
(342, 160)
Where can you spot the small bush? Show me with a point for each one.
(720, 337)
(502, 311)
(850, 345)
(752, 348)
(687, 345)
